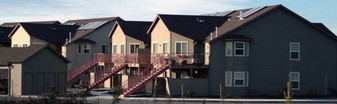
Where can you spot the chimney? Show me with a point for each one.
(216, 31)
(211, 35)
(241, 15)
(69, 36)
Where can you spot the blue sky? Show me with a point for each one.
(146, 10)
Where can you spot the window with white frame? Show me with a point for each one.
(25, 45)
(105, 48)
(114, 49)
(15, 45)
(294, 51)
(229, 78)
(229, 48)
(122, 49)
(295, 80)
(239, 79)
(134, 48)
(181, 47)
(79, 48)
(165, 46)
(239, 48)
(86, 48)
(155, 47)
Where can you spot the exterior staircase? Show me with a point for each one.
(147, 74)
(108, 71)
(93, 61)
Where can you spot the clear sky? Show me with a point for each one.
(324, 11)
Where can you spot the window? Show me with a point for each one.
(181, 48)
(165, 51)
(229, 48)
(294, 51)
(155, 47)
(134, 48)
(122, 48)
(239, 79)
(239, 48)
(229, 76)
(15, 45)
(86, 48)
(79, 48)
(114, 50)
(182, 75)
(295, 80)
(25, 45)
(105, 48)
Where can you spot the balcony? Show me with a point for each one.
(184, 60)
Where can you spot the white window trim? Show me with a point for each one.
(153, 47)
(175, 48)
(23, 45)
(166, 46)
(113, 48)
(81, 51)
(247, 48)
(121, 48)
(15, 45)
(247, 79)
(299, 80)
(229, 47)
(230, 83)
(134, 44)
(239, 79)
(105, 47)
(244, 48)
(89, 45)
(299, 51)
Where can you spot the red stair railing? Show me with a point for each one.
(77, 71)
(158, 66)
(108, 71)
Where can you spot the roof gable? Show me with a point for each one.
(19, 55)
(196, 27)
(134, 29)
(56, 34)
(80, 33)
(236, 24)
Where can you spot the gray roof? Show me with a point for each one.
(135, 29)
(4, 32)
(56, 34)
(19, 54)
(196, 27)
(81, 22)
(13, 24)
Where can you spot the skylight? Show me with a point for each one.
(92, 25)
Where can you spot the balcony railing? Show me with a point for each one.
(181, 59)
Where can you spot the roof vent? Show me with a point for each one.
(241, 15)
(200, 20)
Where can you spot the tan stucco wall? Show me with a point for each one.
(20, 37)
(16, 80)
(159, 35)
(179, 38)
(207, 52)
(118, 38)
(37, 41)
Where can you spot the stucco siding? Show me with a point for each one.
(16, 80)
(159, 35)
(118, 38)
(20, 37)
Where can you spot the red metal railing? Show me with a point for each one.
(139, 58)
(158, 66)
(108, 71)
(93, 61)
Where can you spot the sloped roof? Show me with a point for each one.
(18, 55)
(135, 29)
(235, 23)
(4, 32)
(196, 27)
(81, 22)
(56, 34)
(13, 24)
(324, 28)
